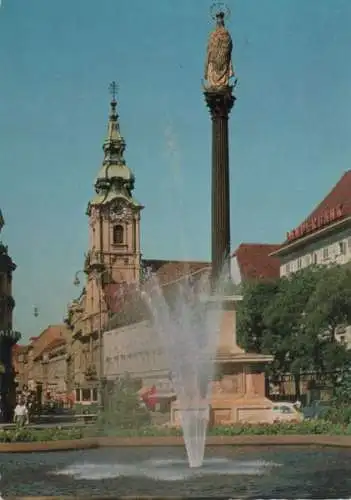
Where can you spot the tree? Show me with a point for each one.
(123, 408)
(296, 319)
(250, 327)
(328, 310)
(287, 337)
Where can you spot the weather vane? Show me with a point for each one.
(113, 87)
(219, 8)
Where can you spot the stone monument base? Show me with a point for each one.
(238, 393)
(230, 411)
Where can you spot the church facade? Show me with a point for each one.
(113, 271)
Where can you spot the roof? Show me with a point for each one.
(253, 259)
(255, 262)
(333, 208)
(125, 301)
(168, 271)
(57, 342)
(20, 348)
(52, 332)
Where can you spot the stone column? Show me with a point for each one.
(220, 103)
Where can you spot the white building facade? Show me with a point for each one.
(324, 238)
(137, 350)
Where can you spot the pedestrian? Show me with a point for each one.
(21, 416)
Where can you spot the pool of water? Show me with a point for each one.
(261, 472)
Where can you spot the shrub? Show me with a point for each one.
(26, 434)
(123, 408)
(308, 427)
(339, 415)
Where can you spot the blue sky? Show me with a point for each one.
(289, 131)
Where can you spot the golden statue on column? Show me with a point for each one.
(218, 66)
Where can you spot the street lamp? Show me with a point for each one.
(76, 282)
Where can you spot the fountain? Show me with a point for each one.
(196, 326)
(197, 323)
(188, 327)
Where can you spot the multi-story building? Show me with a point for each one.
(41, 366)
(20, 365)
(324, 237)
(8, 337)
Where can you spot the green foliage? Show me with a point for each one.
(340, 410)
(296, 319)
(328, 309)
(27, 434)
(123, 408)
(339, 415)
(342, 390)
(83, 409)
(251, 328)
(307, 427)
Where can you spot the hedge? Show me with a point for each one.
(26, 434)
(312, 427)
(309, 427)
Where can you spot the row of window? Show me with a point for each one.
(86, 395)
(343, 247)
(145, 356)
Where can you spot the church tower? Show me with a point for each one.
(114, 214)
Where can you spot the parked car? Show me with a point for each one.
(317, 409)
(286, 412)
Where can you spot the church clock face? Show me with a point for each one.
(119, 210)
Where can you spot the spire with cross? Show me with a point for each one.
(113, 87)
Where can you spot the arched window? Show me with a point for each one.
(118, 235)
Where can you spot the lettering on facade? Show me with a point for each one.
(315, 223)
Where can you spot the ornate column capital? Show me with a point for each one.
(220, 102)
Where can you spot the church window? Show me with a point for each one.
(118, 235)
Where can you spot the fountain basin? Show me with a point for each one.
(228, 472)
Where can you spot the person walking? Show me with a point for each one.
(21, 416)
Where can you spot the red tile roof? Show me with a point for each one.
(50, 333)
(255, 262)
(253, 259)
(167, 272)
(338, 199)
(57, 342)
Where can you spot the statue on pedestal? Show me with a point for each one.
(218, 66)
